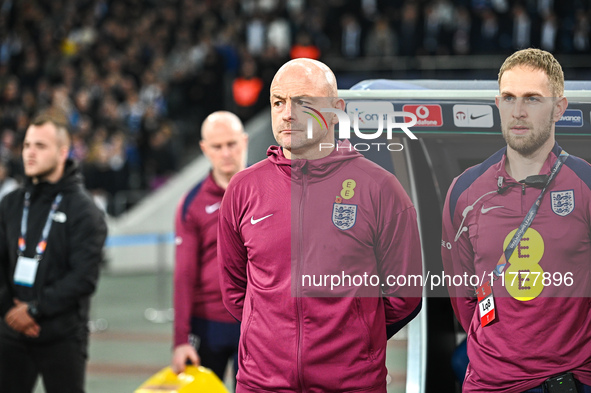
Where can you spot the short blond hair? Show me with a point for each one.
(59, 119)
(538, 60)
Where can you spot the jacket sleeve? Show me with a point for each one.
(232, 255)
(87, 234)
(398, 254)
(457, 256)
(6, 296)
(185, 273)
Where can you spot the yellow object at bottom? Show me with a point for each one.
(193, 380)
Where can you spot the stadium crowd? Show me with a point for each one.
(136, 77)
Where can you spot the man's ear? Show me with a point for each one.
(559, 108)
(338, 104)
(497, 98)
(64, 152)
(203, 147)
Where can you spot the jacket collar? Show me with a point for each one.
(70, 179)
(212, 187)
(546, 167)
(315, 169)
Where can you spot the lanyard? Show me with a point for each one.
(529, 217)
(43, 242)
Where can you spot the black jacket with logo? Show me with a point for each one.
(68, 272)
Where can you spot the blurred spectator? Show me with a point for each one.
(545, 7)
(161, 160)
(255, 36)
(369, 8)
(351, 37)
(502, 6)
(31, 71)
(581, 33)
(7, 183)
(79, 148)
(489, 32)
(432, 29)
(270, 61)
(381, 40)
(279, 36)
(10, 154)
(95, 167)
(461, 37)
(445, 11)
(83, 105)
(44, 93)
(61, 100)
(131, 111)
(107, 169)
(304, 48)
(28, 103)
(226, 44)
(118, 162)
(521, 28)
(152, 93)
(438, 27)
(409, 29)
(246, 91)
(11, 101)
(549, 32)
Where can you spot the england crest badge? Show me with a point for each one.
(563, 202)
(344, 216)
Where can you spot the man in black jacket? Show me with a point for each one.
(51, 240)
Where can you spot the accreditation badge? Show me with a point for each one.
(26, 271)
(486, 304)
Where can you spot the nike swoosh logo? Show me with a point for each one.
(472, 117)
(253, 221)
(486, 210)
(212, 208)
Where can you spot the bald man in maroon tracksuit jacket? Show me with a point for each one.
(310, 212)
(204, 332)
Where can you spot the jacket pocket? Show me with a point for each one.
(247, 328)
(365, 329)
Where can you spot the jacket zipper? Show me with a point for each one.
(367, 331)
(247, 328)
(298, 289)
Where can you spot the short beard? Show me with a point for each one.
(528, 145)
(41, 177)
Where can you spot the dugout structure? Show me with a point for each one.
(458, 126)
